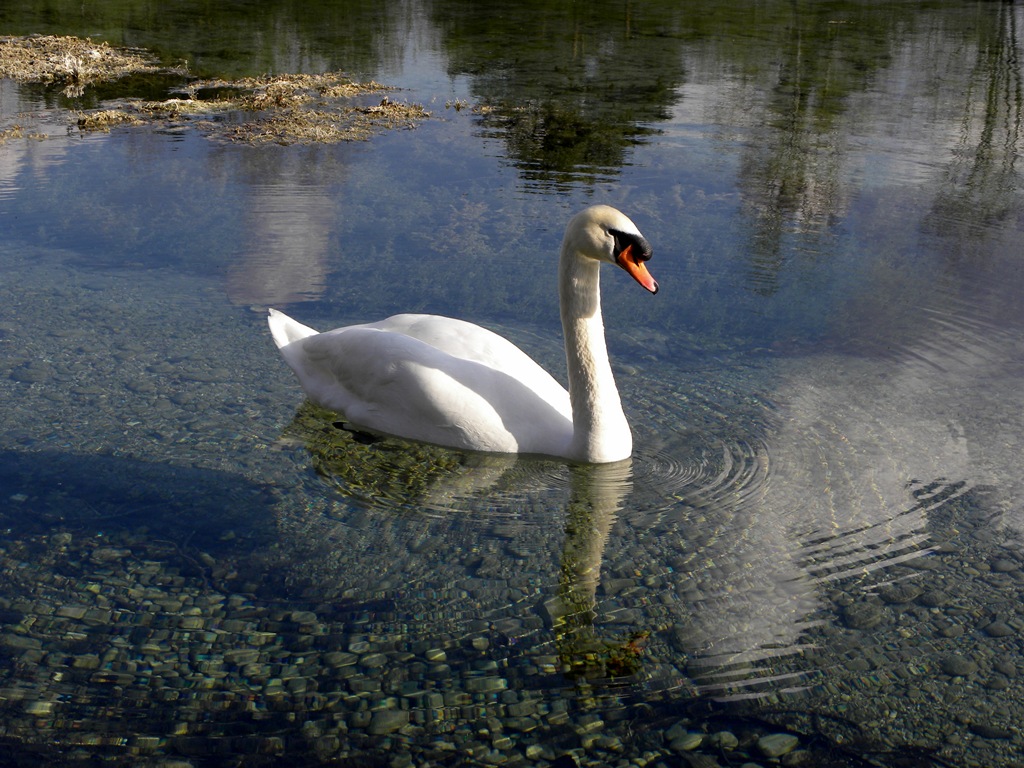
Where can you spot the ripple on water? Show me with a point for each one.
(754, 496)
(723, 583)
(753, 488)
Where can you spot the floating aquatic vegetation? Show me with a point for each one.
(137, 112)
(17, 132)
(72, 62)
(284, 109)
(281, 109)
(295, 125)
(104, 119)
(289, 89)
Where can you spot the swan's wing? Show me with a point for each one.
(393, 382)
(462, 339)
(469, 341)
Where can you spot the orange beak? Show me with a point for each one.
(635, 266)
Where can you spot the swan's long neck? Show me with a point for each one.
(600, 430)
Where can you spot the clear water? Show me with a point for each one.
(819, 531)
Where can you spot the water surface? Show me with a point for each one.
(818, 534)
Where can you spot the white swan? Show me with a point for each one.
(453, 383)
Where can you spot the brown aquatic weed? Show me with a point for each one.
(18, 132)
(69, 61)
(284, 109)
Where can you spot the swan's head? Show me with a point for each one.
(606, 234)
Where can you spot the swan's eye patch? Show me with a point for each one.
(641, 248)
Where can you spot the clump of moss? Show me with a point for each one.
(72, 62)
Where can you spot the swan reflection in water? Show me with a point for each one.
(729, 571)
(408, 493)
(486, 495)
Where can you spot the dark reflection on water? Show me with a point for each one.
(824, 498)
(569, 110)
(983, 178)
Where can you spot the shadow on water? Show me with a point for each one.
(103, 559)
(198, 523)
(104, 495)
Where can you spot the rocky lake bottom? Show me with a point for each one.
(180, 589)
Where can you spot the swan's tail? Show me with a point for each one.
(285, 330)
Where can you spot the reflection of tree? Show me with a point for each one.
(982, 179)
(790, 176)
(231, 39)
(552, 143)
(568, 86)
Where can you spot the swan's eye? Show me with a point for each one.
(641, 248)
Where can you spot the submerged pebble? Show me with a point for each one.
(686, 742)
(865, 615)
(32, 373)
(999, 629)
(903, 592)
(988, 731)
(777, 744)
(387, 721)
(958, 666)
